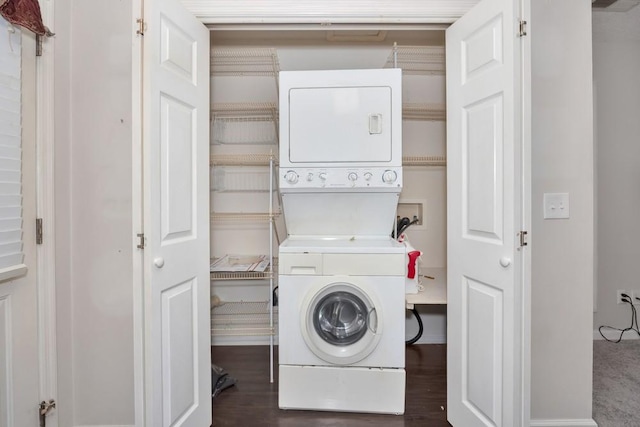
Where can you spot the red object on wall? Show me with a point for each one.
(411, 267)
(25, 13)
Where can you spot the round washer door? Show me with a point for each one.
(340, 323)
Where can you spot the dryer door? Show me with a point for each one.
(341, 323)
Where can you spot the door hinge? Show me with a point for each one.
(39, 39)
(523, 238)
(523, 29)
(141, 242)
(43, 410)
(38, 231)
(142, 26)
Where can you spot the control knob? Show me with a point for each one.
(389, 176)
(322, 176)
(309, 176)
(291, 177)
(368, 176)
(352, 176)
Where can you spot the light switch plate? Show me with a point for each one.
(556, 205)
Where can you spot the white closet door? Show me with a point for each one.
(19, 364)
(485, 285)
(176, 216)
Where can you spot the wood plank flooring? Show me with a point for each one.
(253, 401)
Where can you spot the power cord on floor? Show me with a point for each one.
(420, 328)
(632, 327)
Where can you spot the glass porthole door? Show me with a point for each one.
(341, 318)
(341, 323)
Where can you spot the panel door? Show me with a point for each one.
(19, 363)
(176, 216)
(484, 166)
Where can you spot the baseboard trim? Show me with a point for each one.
(564, 423)
(432, 339)
(241, 340)
(108, 425)
(229, 340)
(614, 335)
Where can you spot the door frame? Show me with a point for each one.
(298, 14)
(525, 210)
(45, 208)
(314, 12)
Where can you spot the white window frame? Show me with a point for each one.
(11, 213)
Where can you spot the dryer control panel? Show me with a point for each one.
(380, 179)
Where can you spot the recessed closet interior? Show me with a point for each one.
(246, 217)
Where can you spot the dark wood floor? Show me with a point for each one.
(253, 401)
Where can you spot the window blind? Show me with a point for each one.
(11, 234)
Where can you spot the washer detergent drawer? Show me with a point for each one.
(300, 264)
(364, 264)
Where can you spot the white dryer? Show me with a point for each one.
(342, 327)
(340, 151)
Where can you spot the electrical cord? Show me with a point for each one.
(274, 297)
(414, 221)
(420, 328)
(403, 223)
(400, 224)
(632, 327)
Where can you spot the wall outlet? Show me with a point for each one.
(619, 293)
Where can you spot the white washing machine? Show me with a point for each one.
(341, 277)
(342, 324)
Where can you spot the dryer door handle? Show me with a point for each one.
(374, 330)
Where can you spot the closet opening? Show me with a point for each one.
(246, 219)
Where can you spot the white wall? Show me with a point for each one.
(62, 95)
(616, 67)
(562, 250)
(93, 172)
(93, 212)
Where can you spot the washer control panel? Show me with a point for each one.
(373, 178)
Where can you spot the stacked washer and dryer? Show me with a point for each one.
(341, 274)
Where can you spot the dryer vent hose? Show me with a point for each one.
(420, 328)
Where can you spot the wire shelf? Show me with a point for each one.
(424, 161)
(244, 62)
(241, 159)
(246, 275)
(428, 60)
(424, 112)
(244, 109)
(248, 123)
(242, 332)
(243, 216)
(238, 179)
(243, 318)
